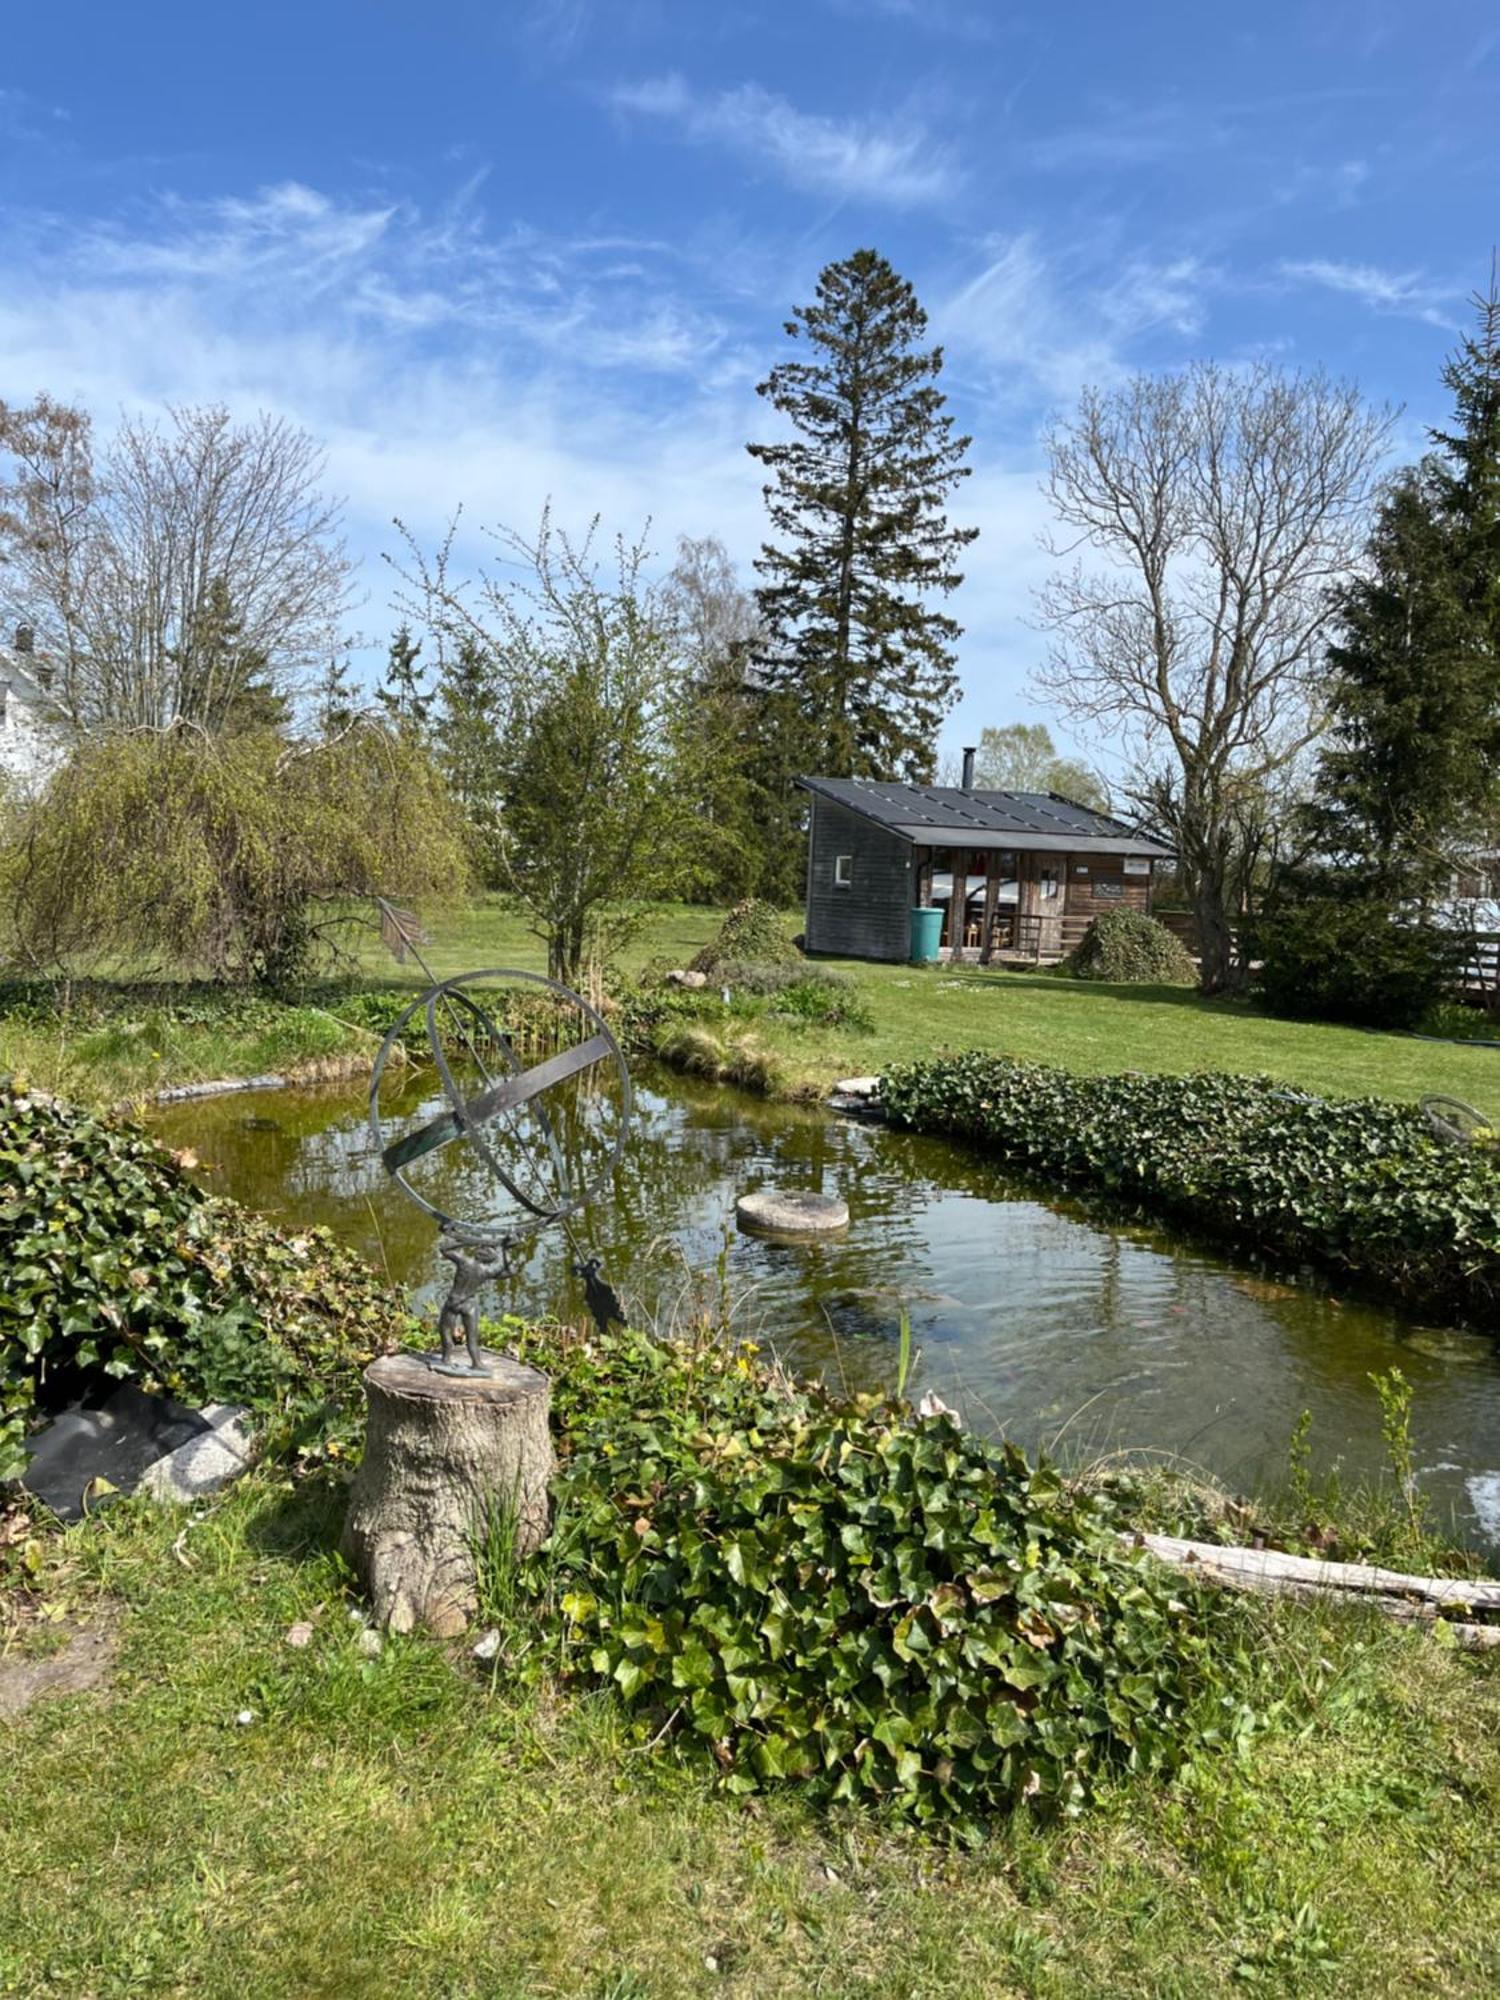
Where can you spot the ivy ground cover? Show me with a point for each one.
(871, 1603)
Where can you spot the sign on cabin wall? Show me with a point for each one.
(1137, 865)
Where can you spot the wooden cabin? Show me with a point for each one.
(1017, 875)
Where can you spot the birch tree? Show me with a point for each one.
(588, 679)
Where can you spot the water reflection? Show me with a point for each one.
(1030, 1315)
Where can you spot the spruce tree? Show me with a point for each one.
(404, 693)
(856, 499)
(1412, 771)
(468, 733)
(335, 703)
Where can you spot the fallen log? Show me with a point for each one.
(1395, 1593)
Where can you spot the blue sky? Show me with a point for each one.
(494, 253)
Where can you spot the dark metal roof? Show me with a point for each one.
(945, 816)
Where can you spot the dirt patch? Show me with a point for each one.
(83, 1661)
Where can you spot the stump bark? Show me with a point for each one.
(444, 1455)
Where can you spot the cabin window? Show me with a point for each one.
(1047, 884)
(843, 871)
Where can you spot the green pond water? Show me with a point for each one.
(1031, 1315)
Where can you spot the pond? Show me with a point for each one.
(1030, 1314)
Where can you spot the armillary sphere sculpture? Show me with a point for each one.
(538, 1104)
(1457, 1123)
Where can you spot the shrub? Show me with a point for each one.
(1331, 960)
(116, 1264)
(1131, 949)
(1357, 1185)
(814, 1004)
(839, 1592)
(753, 933)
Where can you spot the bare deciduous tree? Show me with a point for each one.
(192, 572)
(1224, 503)
(717, 620)
(588, 678)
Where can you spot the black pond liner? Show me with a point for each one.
(116, 1433)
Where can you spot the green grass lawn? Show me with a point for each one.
(1092, 1027)
(406, 1825)
(915, 1012)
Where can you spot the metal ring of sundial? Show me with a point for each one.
(466, 1118)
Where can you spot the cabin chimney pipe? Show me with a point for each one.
(968, 777)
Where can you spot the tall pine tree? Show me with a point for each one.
(1411, 775)
(857, 500)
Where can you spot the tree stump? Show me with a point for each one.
(444, 1455)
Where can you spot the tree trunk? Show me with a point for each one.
(1219, 968)
(447, 1458)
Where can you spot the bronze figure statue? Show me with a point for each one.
(474, 1265)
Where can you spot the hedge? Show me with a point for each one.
(1358, 1186)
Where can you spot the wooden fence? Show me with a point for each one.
(1479, 980)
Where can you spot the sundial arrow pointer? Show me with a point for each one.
(503, 1096)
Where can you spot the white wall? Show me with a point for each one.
(29, 745)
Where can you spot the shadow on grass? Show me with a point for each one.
(1187, 997)
(304, 1521)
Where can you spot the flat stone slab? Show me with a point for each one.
(857, 1086)
(867, 1108)
(204, 1463)
(777, 1212)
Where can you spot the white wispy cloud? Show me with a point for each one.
(1049, 321)
(1404, 292)
(440, 362)
(930, 17)
(894, 161)
(284, 246)
(1128, 135)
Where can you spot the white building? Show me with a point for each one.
(31, 741)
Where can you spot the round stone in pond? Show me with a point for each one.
(775, 1212)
